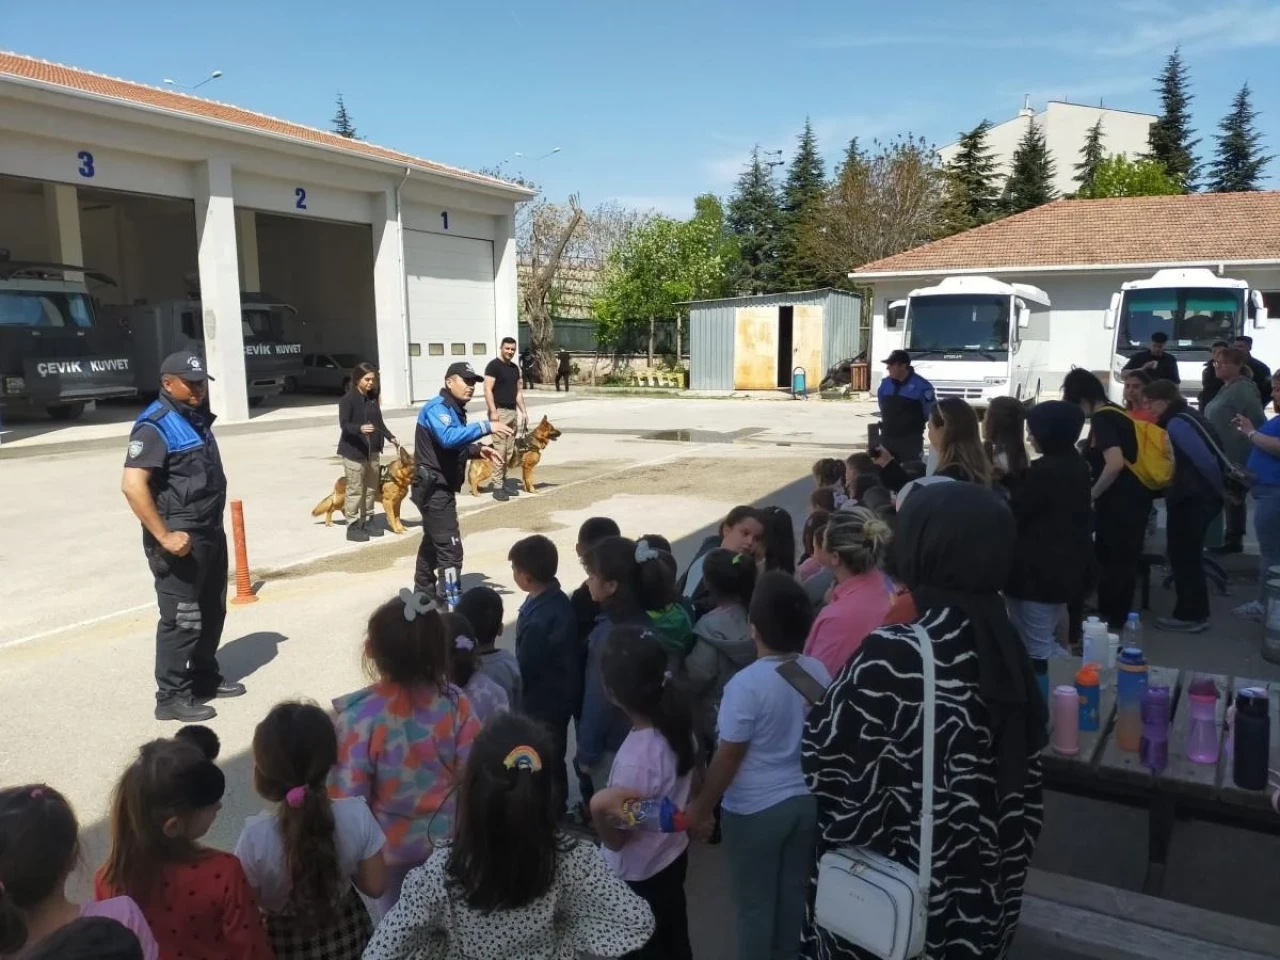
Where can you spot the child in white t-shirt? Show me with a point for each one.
(306, 860)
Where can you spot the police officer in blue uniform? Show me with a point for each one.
(906, 400)
(175, 485)
(443, 442)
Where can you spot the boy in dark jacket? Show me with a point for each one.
(1053, 555)
(547, 646)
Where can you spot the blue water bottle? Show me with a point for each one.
(1088, 686)
(452, 593)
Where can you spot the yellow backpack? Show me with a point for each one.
(1154, 464)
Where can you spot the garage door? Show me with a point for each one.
(451, 311)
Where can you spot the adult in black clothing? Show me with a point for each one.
(1261, 372)
(526, 368)
(1162, 364)
(564, 369)
(1210, 382)
(1122, 505)
(504, 400)
(1192, 502)
(905, 399)
(955, 436)
(362, 431)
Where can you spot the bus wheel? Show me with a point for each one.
(66, 411)
(290, 384)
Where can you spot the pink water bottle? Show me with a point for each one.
(1202, 733)
(1066, 721)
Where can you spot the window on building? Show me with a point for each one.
(435, 349)
(458, 349)
(415, 349)
(479, 349)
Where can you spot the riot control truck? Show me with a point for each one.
(1195, 308)
(57, 352)
(159, 329)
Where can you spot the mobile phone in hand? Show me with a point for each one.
(802, 680)
(873, 439)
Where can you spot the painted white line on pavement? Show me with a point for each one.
(341, 551)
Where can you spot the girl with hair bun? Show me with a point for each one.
(854, 545)
(39, 849)
(306, 859)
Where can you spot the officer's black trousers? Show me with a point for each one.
(192, 594)
(441, 544)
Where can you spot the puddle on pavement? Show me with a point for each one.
(701, 436)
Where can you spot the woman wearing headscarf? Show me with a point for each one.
(1054, 551)
(863, 744)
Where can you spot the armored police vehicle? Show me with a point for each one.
(159, 329)
(56, 351)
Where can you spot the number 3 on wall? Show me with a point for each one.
(301, 194)
(86, 164)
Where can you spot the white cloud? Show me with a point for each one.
(1231, 26)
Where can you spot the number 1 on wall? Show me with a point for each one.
(444, 216)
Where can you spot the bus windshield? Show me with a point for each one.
(33, 308)
(958, 322)
(262, 325)
(1192, 317)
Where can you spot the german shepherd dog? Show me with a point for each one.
(526, 451)
(395, 478)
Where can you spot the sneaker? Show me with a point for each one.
(225, 690)
(1253, 610)
(1225, 549)
(371, 529)
(356, 534)
(1174, 625)
(184, 710)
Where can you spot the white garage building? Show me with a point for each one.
(1079, 252)
(397, 259)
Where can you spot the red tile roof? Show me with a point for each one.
(137, 94)
(1197, 228)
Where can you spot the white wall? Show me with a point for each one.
(1066, 126)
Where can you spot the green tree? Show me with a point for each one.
(1240, 160)
(1030, 182)
(854, 155)
(342, 124)
(806, 179)
(1171, 141)
(1118, 176)
(972, 197)
(708, 209)
(1091, 155)
(755, 218)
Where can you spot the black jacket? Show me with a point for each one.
(895, 477)
(1262, 377)
(1053, 555)
(355, 409)
(1166, 365)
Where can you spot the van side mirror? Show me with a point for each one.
(1259, 310)
(1109, 318)
(1024, 317)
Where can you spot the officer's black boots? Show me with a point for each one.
(371, 528)
(356, 533)
(184, 710)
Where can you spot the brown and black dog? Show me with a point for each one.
(526, 451)
(396, 478)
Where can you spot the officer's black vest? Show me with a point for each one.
(901, 416)
(190, 490)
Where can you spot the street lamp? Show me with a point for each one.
(174, 83)
(547, 154)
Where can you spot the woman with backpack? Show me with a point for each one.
(1121, 501)
(1193, 501)
(1237, 395)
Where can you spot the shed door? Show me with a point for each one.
(755, 348)
(806, 340)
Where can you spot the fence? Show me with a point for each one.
(579, 336)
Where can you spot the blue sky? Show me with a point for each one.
(655, 102)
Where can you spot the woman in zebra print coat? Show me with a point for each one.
(862, 746)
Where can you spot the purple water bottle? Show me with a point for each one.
(659, 814)
(1153, 750)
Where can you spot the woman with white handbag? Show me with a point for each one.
(930, 867)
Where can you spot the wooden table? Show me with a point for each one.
(1101, 770)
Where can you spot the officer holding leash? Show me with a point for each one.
(175, 485)
(443, 442)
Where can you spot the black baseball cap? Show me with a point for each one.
(186, 365)
(1159, 337)
(463, 370)
(898, 356)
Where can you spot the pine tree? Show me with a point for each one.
(972, 198)
(1091, 155)
(755, 218)
(1030, 182)
(806, 180)
(854, 157)
(1171, 141)
(1240, 160)
(342, 124)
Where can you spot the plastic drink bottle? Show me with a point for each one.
(1131, 684)
(1094, 635)
(1153, 749)
(1252, 739)
(1087, 693)
(1133, 631)
(452, 592)
(1066, 721)
(659, 814)
(1202, 733)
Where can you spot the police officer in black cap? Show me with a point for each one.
(906, 400)
(443, 442)
(175, 485)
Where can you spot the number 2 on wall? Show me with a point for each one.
(86, 164)
(444, 215)
(301, 194)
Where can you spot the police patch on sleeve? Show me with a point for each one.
(135, 448)
(445, 419)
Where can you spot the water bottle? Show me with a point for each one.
(1252, 739)
(1202, 732)
(1066, 721)
(1132, 631)
(1087, 692)
(1131, 686)
(452, 593)
(1153, 750)
(658, 814)
(1095, 642)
